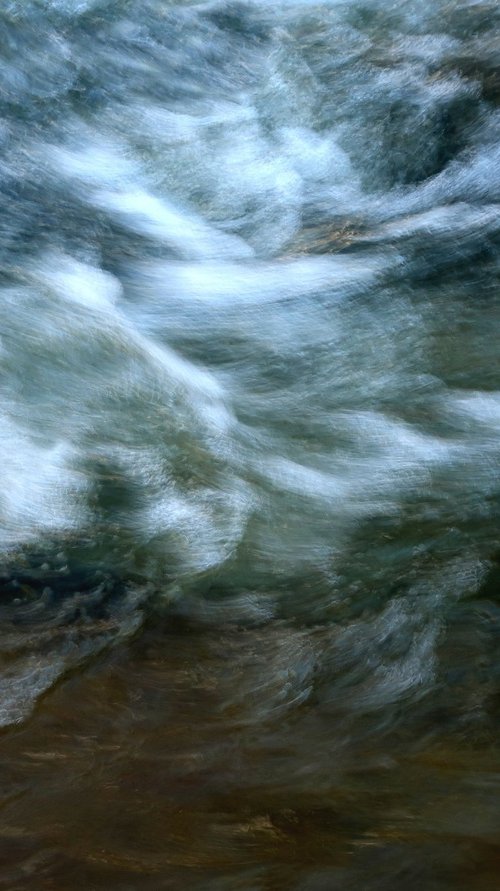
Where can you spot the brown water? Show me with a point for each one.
(155, 769)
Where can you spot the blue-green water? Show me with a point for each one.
(249, 444)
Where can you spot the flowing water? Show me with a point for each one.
(249, 445)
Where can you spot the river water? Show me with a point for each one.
(249, 445)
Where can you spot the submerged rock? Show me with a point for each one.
(54, 615)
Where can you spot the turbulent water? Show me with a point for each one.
(250, 395)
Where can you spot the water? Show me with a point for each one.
(249, 444)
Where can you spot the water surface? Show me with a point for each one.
(249, 444)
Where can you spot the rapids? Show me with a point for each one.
(250, 405)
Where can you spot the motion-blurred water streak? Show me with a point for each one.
(250, 412)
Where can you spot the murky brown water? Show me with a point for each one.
(156, 769)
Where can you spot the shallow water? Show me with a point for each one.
(249, 444)
(174, 762)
